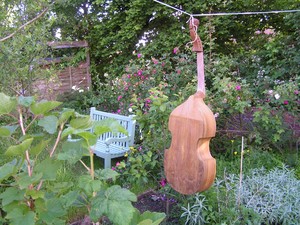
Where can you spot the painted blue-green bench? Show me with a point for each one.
(111, 145)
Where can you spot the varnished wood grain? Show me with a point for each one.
(189, 166)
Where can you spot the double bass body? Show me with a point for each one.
(189, 166)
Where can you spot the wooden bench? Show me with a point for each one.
(111, 145)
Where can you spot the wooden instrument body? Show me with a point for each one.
(189, 166)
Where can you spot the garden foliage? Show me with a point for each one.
(265, 197)
(30, 191)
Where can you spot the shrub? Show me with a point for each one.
(265, 197)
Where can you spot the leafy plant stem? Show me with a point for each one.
(21, 121)
(92, 170)
(57, 139)
(85, 166)
(32, 121)
(40, 185)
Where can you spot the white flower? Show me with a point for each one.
(130, 110)
(270, 92)
(277, 96)
(216, 115)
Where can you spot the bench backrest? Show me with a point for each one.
(126, 121)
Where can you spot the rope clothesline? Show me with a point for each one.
(227, 14)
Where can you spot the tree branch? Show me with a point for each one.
(24, 25)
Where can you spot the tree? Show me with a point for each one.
(24, 32)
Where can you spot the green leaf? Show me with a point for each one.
(34, 194)
(106, 174)
(7, 104)
(24, 180)
(18, 216)
(163, 107)
(48, 168)
(12, 194)
(38, 148)
(49, 123)
(71, 151)
(52, 210)
(83, 122)
(65, 115)
(42, 107)
(66, 132)
(7, 131)
(7, 170)
(25, 101)
(4, 132)
(108, 125)
(88, 185)
(115, 203)
(151, 218)
(70, 198)
(61, 187)
(19, 150)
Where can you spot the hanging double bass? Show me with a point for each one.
(188, 164)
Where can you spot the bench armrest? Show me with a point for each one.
(108, 141)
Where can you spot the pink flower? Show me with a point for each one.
(140, 72)
(128, 76)
(155, 61)
(119, 97)
(285, 102)
(178, 71)
(296, 92)
(163, 182)
(175, 50)
(238, 87)
(118, 164)
(119, 111)
(139, 55)
(113, 168)
(163, 64)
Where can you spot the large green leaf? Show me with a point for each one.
(42, 107)
(89, 185)
(82, 122)
(106, 174)
(4, 132)
(49, 123)
(35, 194)
(48, 168)
(65, 115)
(70, 198)
(25, 101)
(108, 125)
(66, 132)
(24, 180)
(19, 150)
(7, 104)
(115, 203)
(7, 131)
(18, 216)
(88, 136)
(151, 218)
(51, 211)
(72, 151)
(39, 147)
(7, 170)
(12, 194)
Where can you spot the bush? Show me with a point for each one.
(265, 197)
